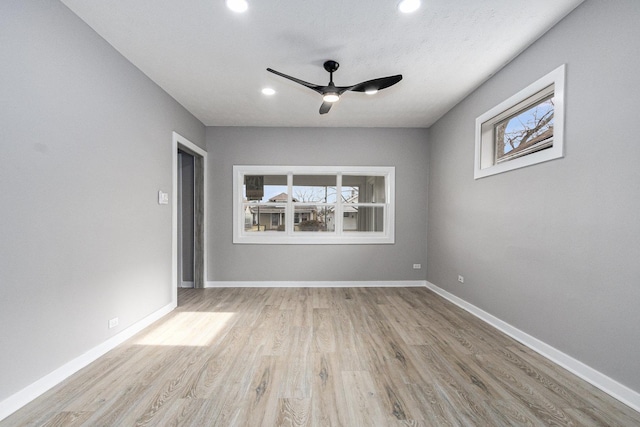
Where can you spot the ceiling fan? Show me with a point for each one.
(331, 93)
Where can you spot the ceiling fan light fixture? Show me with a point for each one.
(237, 5)
(331, 93)
(408, 6)
(330, 97)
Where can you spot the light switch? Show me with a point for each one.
(163, 198)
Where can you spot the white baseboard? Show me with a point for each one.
(32, 391)
(188, 285)
(316, 284)
(610, 386)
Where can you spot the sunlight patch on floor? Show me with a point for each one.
(187, 329)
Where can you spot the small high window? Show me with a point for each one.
(313, 205)
(523, 130)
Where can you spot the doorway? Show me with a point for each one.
(186, 220)
(189, 212)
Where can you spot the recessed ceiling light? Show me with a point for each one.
(408, 6)
(268, 91)
(371, 91)
(238, 5)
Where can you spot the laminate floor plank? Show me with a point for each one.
(216, 368)
(319, 297)
(346, 336)
(364, 407)
(321, 357)
(427, 405)
(258, 407)
(323, 332)
(329, 401)
(279, 333)
(297, 366)
(68, 419)
(293, 412)
(182, 411)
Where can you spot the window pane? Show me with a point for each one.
(363, 189)
(260, 217)
(265, 188)
(528, 131)
(363, 218)
(314, 218)
(314, 188)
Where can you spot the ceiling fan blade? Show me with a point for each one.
(376, 84)
(317, 88)
(325, 107)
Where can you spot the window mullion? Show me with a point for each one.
(339, 205)
(289, 211)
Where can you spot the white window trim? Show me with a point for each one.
(387, 236)
(485, 143)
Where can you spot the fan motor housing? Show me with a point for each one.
(331, 66)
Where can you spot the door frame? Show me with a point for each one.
(200, 215)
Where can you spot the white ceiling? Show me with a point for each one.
(213, 61)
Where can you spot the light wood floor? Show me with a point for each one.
(322, 357)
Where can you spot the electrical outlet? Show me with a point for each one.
(113, 322)
(417, 266)
(460, 279)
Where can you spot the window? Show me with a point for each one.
(523, 130)
(313, 205)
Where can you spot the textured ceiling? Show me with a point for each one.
(213, 61)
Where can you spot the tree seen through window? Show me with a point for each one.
(528, 131)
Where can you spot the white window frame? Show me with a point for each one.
(485, 160)
(339, 236)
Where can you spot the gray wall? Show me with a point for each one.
(86, 145)
(553, 249)
(406, 149)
